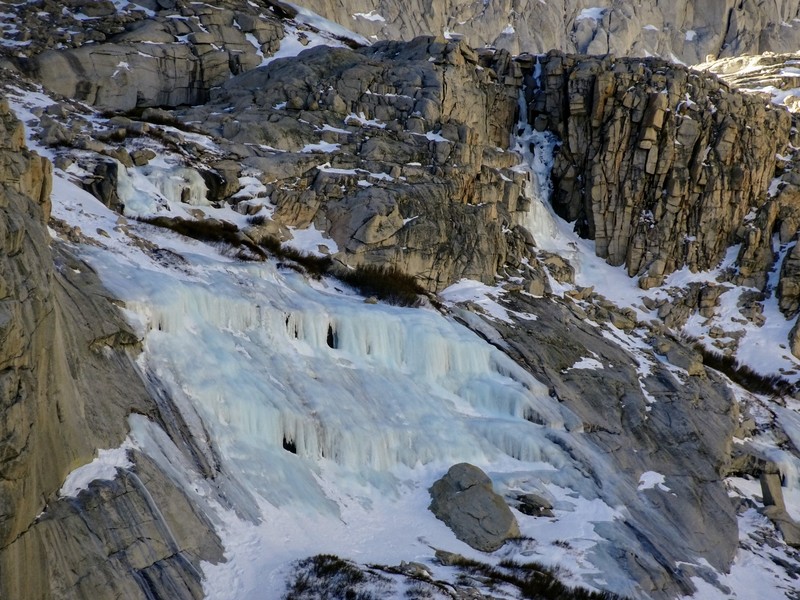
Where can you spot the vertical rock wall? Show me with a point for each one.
(67, 386)
(658, 164)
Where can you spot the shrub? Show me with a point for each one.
(533, 580)
(745, 376)
(208, 230)
(328, 577)
(256, 220)
(311, 264)
(388, 284)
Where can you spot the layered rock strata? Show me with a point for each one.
(687, 30)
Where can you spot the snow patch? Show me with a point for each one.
(650, 480)
(370, 16)
(103, 467)
(596, 13)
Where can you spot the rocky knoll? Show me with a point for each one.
(397, 151)
(686, 30)
(67, 385)
(660, 165)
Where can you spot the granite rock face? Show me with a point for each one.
(146, 56)
(627, 417)
(687, 30)
(67, 385)
(659, 165)
(397, 151)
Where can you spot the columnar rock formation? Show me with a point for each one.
(659, 165)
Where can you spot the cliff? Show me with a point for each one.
(69, 383)
(685, 30)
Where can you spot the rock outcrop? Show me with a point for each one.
(627, 408)
(659, 165)
(133, 58)
(687, 30)
(67, 385)
(770, 74)
(397, 151)
(465, 501)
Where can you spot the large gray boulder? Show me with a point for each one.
(465, 501)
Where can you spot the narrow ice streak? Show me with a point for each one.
(478, 293)
(320, 147)
(595, 13)
(587, 363)
(370, 16)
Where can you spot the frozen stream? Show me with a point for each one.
(332, 411)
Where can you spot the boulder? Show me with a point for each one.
(535, 505)
(771, 488)
(789, 528)
(465, 501)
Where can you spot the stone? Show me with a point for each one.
(789, 528)
(771, 490)
(789, 284)
(448, 559)
(794, 338)
(465, 501)
(535, 505)
(142, 157)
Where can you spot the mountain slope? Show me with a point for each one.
(275, 413)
